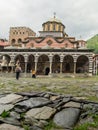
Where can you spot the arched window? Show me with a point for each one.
(13, 41)
(19, 40)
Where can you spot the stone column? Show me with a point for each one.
(12, 63)
(50, 65)
(36, 60)
(61, 61)
(35, 66)
(25, 66)
(75, 61)
(90, 68)
(74, 67)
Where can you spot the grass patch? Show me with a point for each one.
(91, 125)
(26, 127)
(51, 125)
(5, 114)
(93, 98)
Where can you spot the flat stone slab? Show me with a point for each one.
(6, 107)
(9, 127)
(67, 117)
(41, 113)
(34, 102)
(10, 120)
(10, 98)
(72, 104)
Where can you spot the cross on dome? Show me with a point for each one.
(54, 14)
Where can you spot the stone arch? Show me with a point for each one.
(82, 64)
(5, 60)
(68, 64)
(56, 64)
(30, 63)
(19, 59)
(43, 64)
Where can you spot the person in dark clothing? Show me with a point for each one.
(18, 70)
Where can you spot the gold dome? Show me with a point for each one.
(53, 25)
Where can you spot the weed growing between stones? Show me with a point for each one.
(26, 127)
(5, 114)
(51, 125)
(88, 125)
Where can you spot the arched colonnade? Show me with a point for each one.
(47, 63)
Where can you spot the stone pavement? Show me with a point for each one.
(30, 103)
(19, 111)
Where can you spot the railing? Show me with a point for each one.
(46, 50)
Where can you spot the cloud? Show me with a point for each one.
(79, 16)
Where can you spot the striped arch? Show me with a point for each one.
(43, 65)
(82, 64)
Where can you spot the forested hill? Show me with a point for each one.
(92, 43)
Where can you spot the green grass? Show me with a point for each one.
(5, 114)
(92, 125)
(51, 125)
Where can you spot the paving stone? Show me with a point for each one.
(72, 104)
(67, 118)
(10, 98)
(6, 107)
(34, 102)
(41, 113)
(9, 127)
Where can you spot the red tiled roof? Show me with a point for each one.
(4, 43)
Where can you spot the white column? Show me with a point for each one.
(36, 66)
(12, 63)
(25, 65)
(50, 64)
(90, 68)
(61, 63)
(36, 60)
(50, 67)
(74, 67)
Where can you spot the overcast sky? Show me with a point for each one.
(79, 16)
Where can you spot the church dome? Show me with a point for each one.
(53, 25)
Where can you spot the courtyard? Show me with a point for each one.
(80, 87)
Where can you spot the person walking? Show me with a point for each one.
(17, 70)
(33, 74)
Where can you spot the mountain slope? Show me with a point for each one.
(92, 43)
